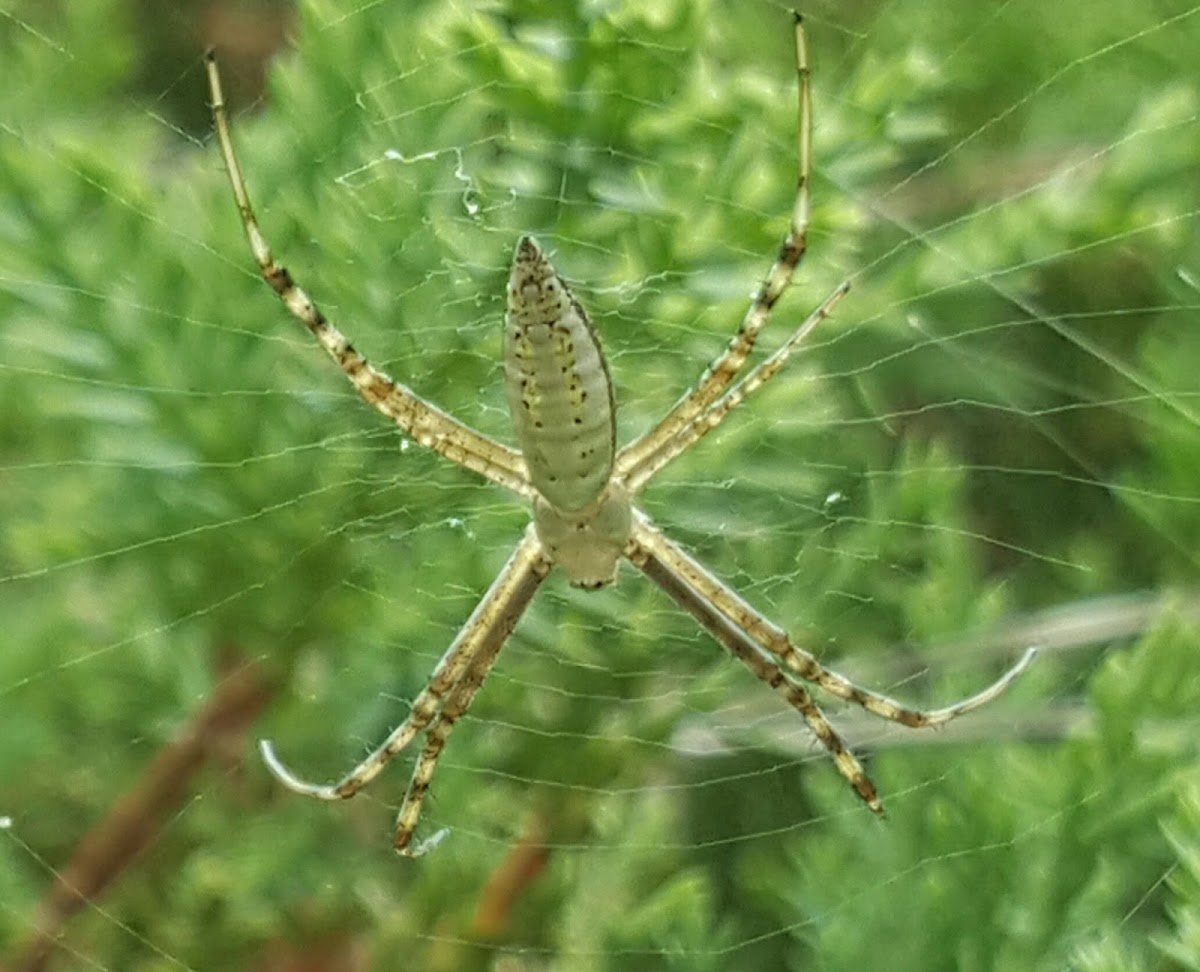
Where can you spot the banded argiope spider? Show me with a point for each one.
(581, 488)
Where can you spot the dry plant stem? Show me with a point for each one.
(518, 869)
(113, 844)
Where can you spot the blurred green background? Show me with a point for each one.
(206, 539)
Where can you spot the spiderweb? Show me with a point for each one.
(993, 443)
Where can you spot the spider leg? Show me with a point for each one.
(425, 423)
(453, 707)
(470, 657)
(801, 663)
(725, 367)
(646, 557)
(718, 411)
(728, 617)
(456, 703)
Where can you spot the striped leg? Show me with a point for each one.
(436, 737)
(426, 424)
(473, 650)
(724, 369)
(646, 557)
(780, 645)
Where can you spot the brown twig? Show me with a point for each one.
(112, 845)
(520, 867)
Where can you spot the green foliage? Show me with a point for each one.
(1000, 419)
(1039, 857)
(1183, 832)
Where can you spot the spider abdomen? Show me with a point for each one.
(559, 391)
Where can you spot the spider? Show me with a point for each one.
(581, 489)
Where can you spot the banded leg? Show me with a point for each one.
(646, 558)
(477, 644)
(715, 414)
(725, 367)
(779, 644)
(426, 424)
(436, 736)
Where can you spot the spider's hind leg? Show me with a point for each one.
(726, 366)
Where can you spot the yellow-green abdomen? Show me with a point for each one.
(559, 391)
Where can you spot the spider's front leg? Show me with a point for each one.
(769, 652)
(777, 643)
(438, 733)
(646, 553)
(451, 688)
